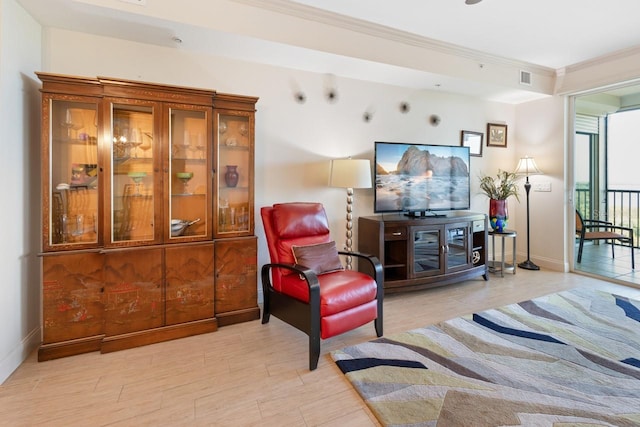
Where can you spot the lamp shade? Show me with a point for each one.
(350, 173)
(527, 166)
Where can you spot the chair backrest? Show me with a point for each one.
(289, 224)
(578, 222)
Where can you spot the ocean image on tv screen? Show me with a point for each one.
(419, 178)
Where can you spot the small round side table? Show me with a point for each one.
(501, 265)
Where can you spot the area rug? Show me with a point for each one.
(566, 359)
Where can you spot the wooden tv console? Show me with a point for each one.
(428, 251)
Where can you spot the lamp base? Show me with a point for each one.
(528, 265)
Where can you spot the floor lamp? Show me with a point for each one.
(527, 166)
(350, 173)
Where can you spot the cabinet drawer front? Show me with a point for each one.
(395, 233)
(72, 296)
(478, 226)
(236, 275)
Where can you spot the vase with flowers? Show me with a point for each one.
(499, 189)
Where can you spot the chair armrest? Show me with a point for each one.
(307, 274)
(621, 228)
(595, 223)
(606, 225)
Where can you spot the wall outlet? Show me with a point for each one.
(542, 186)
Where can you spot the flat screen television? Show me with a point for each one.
(421, 179)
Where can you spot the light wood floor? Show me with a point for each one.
(243, 375)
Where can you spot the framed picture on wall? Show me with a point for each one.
(473, 140)
(496, 135)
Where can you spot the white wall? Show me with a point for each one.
(541, 135)
(19, 166)
(294, 142)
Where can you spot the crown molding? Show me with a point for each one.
(604, 59)
(310, 13)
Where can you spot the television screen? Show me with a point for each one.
(418, 178)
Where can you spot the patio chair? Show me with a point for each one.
(596, 230)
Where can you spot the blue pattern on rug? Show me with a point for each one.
(371, 362)
(630, 310)
(632, 361)
(515, 332)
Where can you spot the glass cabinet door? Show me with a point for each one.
(72, 183)
(189, 175)
(427, 251)
(133, 148)
(457, 246)
(234, 174)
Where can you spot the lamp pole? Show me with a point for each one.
(350, 173)
(528, 264)
(349, 232)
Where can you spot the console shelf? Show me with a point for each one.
(425, 252)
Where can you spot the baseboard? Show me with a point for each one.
(19, 354)
(545, 263)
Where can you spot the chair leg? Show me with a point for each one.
(266, 294)
(378, 325)
(613, 252)
(580, 250)
(314, 350)
(266, 316)
(266, 308)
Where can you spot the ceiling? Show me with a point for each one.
(548, 34)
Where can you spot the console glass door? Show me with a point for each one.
(457, 247)
(426, 252)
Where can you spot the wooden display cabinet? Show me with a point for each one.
(132, 223)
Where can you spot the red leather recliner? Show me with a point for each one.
(321, 305)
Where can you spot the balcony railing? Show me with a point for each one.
(623, 209)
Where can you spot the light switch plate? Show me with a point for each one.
(542, 186)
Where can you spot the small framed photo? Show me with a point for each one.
(473, 140)
(496, 135)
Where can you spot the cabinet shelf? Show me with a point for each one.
(236, 188)
(190, 159)
(90, 140)
(234, 148)
(132, 159)
(188, 195)
(399, 265)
